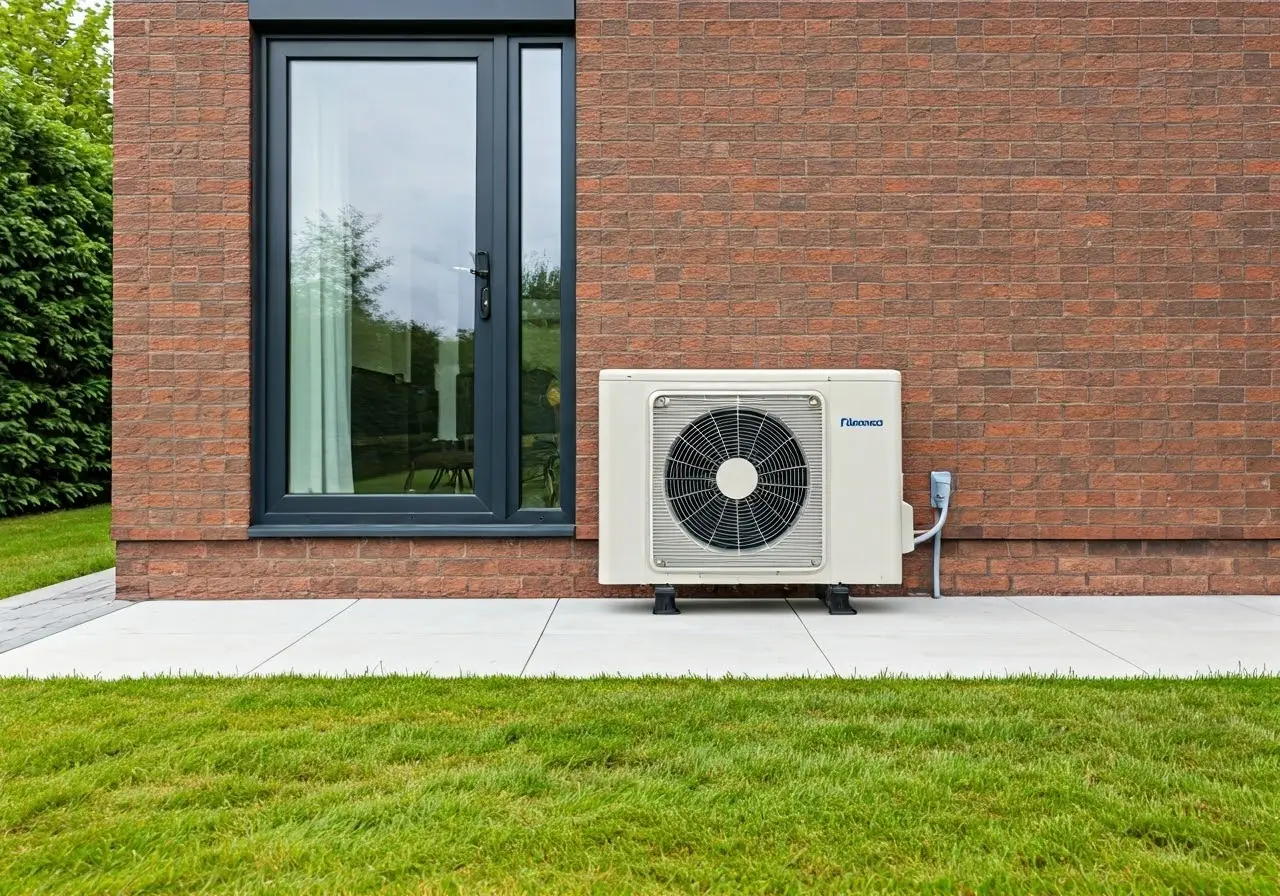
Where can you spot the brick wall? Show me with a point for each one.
(1059, 219)
(182, 315)
(276, 568)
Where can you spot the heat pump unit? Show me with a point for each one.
(750, 477)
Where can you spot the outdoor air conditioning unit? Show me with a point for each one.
(750, 477)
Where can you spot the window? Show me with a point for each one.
(414, 293)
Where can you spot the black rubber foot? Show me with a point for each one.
(837, 601)
(664, 601)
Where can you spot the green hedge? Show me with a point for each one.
(55, 307)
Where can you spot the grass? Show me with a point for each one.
(48, 548)
(410, 785)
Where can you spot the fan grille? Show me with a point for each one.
(696, 476)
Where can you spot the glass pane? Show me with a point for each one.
(540, 192)
(382, 211)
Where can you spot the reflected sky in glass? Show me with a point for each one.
(540, 154)
(397, 141)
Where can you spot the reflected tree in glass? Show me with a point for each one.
(338, 255)
(359, 428)
(541, 242)
(540, 381)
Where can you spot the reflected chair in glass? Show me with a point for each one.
(540, 426)
(453, 461)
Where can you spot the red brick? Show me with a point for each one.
(1083, 303)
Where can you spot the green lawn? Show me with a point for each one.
(47, 548)
(407, 785)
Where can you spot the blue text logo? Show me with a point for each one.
(849, 421)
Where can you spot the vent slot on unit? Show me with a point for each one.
(737, 481)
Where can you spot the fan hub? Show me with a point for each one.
(737, 478)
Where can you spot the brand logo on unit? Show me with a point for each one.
(849, 421)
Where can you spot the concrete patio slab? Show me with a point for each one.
(970, 652)
(130, 655)
(214, 617)
(1200, 652)
(923, 615)
(444, 616)
(958, 636)
(1148, 614)
(755, 654)
(339, 654)
(630, 616)
(1261, 604)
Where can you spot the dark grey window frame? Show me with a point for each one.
(411, 11)
(495, 511)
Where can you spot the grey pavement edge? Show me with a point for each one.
(46, 611)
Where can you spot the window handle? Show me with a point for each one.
(481, 261)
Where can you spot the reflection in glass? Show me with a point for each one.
(540, 198)
(381, 332)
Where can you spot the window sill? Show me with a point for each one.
(358, 530)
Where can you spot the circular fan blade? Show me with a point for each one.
(736, 479)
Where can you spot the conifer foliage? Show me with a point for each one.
(55, 256)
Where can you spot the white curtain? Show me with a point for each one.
(448, 364)
(320, 291)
